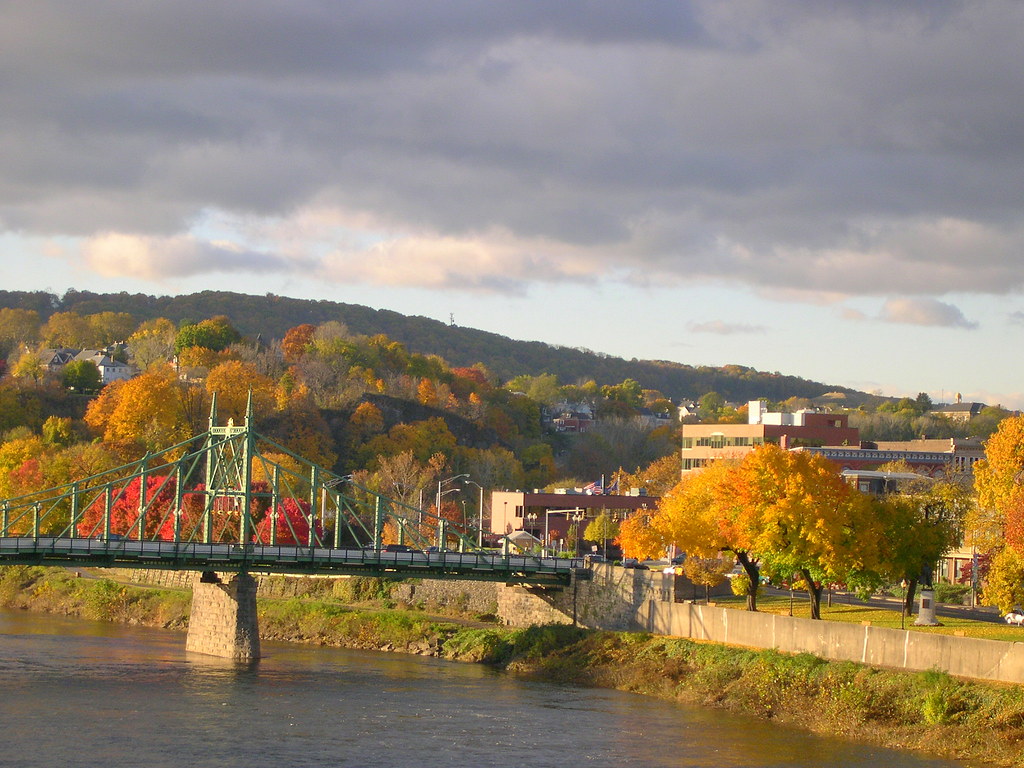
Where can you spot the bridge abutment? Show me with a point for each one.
(223, 620)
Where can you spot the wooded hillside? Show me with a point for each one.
(271, 316)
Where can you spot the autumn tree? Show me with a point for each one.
(366, 420)
(402, 476)
(152, 343)
(300, 427)
(787, 512)
(108, 327)
(998, 524)
(17, 326)
(1004, 585)
(291, 522)
(296, 341)
(423, 438)
(702, 517)
(14, 453)
(131, 509)
(233, 381)
(707, 571)
(657, 478)
(67, 329)
(144, 412)
(638, 536)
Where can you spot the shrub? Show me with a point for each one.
(951, 593)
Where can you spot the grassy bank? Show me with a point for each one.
(929, 712)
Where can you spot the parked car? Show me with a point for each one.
(632, 562)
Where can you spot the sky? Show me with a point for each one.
(831, 190)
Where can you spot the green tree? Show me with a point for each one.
(215, 334)
(921, 523)
(709, 405)
(602, 529)
(57, 430)
(29, 366)
(82, 376)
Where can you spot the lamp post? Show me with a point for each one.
(479, 514)
(566, 512)
(578, 517)
(439, 493)
(532, 518)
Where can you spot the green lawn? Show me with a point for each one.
(878, 617)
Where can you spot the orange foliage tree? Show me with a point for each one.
(144, 412)
(296, 341)
(790, 512)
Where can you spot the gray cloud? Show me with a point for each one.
(848, 147)
(723, 328)
(922, 311)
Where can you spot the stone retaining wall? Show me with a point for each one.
(466, 597)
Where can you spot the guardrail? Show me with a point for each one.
(287, 559)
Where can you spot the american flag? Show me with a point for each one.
(595, 487)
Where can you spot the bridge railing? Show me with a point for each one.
(258, 557)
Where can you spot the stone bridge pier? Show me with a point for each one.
(223, 621)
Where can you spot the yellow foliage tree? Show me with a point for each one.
(999, 477)
(232, 381)
(426, 392)
(639, 538)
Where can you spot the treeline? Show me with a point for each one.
(271, 316)
(397, 420)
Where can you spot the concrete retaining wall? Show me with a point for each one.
(621, 599)
(877, 646)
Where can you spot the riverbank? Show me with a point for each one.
(927, 712)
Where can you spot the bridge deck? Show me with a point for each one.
(129, 553)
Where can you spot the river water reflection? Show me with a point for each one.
(77, 693)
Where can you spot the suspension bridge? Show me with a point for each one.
(233, 500)
(229, 503)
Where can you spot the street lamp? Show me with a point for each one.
(439, 493)
(479, 513)
(531, 518)
(578, 517)
(547, 518)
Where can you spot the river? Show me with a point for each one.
(79, 693)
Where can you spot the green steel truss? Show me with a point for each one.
(232, 499)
